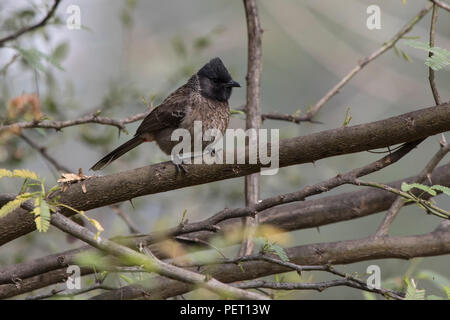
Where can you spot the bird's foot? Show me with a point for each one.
(179, 167)
(178, 163)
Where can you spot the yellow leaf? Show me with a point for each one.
(12, 205)
(24, 173)
(5, 173)
(95, 223)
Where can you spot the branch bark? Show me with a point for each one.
(253, 111)
(114, 188)
(441, 4)
(334, 253)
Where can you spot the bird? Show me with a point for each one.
(204, 97)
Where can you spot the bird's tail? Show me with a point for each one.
(118, 152)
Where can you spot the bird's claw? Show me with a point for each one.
(180, 168)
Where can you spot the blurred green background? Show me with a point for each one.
(129, 53)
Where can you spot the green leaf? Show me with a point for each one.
(447, 292)
(434, 297)
(407, 187)
(443, 189)
(439, 59)
(406, 57)
(127, 279)
(368, 295)
(14, 204)
(34, 58)
(234, 111)
(412, 293)
(60, 52)
(348, 117)
(42, 215)
(280, 252)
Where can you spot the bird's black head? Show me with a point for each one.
(215, 80)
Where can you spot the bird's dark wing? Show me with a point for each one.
(168, 114)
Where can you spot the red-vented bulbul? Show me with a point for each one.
(203, 98)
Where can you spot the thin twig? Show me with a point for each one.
(43, 151)
(64, 293)
(148, 263)
(441, 4)
(131, 225)
(434, 90)
(399, 202)
(92, 118)
(42, 23)
(386, 46)
(428, 205)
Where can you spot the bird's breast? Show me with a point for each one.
(212, 114)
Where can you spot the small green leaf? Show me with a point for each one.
(443, 189)
(42, 216)
(348, 117)
(407, 187)
(439, 59)
(280, 252)
(34, 58)
(368, 295)
(412, 293)
(127, 279)
(234, 111)
(406, 57)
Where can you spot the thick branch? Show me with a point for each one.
(106, 190)
(300, 215)
(334, 253)
(150, 262)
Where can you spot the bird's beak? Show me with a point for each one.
(232, 83)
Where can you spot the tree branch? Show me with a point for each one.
(150, 263)
(434, 89)
(386, 46)
(296, 216)
(399, 202)
(334, 253)
(253, 112)
(441, 4)
(91, 118)
(42, 23)
(162, 177)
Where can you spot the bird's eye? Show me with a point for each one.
(215, 80)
